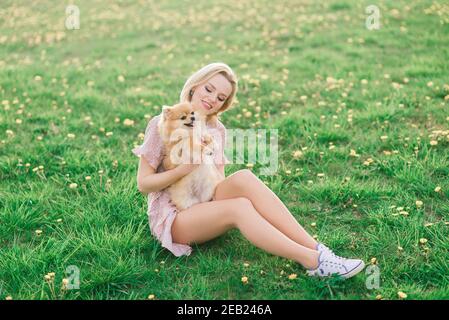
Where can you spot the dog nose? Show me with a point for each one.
(192, 118)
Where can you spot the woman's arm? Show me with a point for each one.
(221, 169)
(150, 181)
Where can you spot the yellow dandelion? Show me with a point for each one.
(73, 185)
(151, 297)
(438, 189)
(70, 136)
(423, 241)
(402, 295)
(433, 142)
(353, 153)
(121, 78)
(38, 232)
(293, 276)
(245, 280)
(419, 203)
(128, 122)
(297, 154)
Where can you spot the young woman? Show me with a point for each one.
(241, 200)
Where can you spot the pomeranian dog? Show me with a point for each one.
(182, 131)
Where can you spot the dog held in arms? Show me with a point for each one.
(182, 131)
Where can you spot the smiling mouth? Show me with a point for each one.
(189, 124)
(205, 104)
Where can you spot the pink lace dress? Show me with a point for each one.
(161, 211)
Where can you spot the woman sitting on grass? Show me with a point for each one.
(241, 200)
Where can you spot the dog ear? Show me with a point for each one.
(166, 111)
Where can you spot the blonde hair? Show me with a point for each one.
(204, 74)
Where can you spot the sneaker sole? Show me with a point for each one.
(354, 271)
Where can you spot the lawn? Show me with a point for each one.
(363, 126)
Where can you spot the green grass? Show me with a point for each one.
(301, 46)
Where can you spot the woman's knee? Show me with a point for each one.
(241, 178)
(240, 206)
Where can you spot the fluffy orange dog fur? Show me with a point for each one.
(182, 131)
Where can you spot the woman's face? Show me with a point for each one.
(210, 96)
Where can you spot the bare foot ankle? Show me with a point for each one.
(312, 263)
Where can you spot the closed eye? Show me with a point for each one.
(208, 90)
(183, 117)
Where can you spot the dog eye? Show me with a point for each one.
(183, 117)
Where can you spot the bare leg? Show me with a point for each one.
(208, 220)
(244, 183)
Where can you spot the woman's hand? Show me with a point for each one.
(184, 169)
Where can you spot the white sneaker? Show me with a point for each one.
(321, 247)
(329, 264)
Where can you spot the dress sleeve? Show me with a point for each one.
(152, 147)
(221, 157)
